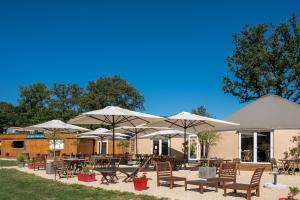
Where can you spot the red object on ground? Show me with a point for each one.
(140, 183)
(30, 165)
(283, 198)
(86, 177)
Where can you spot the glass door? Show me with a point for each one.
(165, 147)
(103, 147)
(161, 147)
(193, 148)
(255, 146)
(247, 141)
(263, 147)
(156, 147)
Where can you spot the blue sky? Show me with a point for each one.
(172, 51)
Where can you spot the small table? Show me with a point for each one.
(108, 175)
(201, 183)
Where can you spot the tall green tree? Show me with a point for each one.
(266, 59)
(8, 116)
(33, 104)
(201, 110)
(65, 100)
(114, 91)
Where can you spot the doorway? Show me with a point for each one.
(103, 147)
(256, 147)
(160, 147)
(193, 148)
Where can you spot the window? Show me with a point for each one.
(255, 146)
(59, 144)
(17, 144)
(161, 147)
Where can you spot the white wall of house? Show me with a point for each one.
(227, 145)
(283, 141)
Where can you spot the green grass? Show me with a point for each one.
(8, 163)
(15, 185)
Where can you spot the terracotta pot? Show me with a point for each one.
(140, 183)
(86, 177)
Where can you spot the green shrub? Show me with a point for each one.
(20, 158)
(294, 190)
(86, 170)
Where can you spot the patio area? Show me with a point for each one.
(178, 192)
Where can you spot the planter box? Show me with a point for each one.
(86, 177)
(21, 164)
(49, 168)
(140, 183)
(30, 165)
(207, 172)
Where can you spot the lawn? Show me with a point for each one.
(8, 163)
(15, 185)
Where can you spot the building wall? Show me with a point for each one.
(283, 141)
(145, 146)
(35, 146)
(227, 145)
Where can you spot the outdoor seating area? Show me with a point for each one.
(163, 181)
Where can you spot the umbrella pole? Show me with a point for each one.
(136, 144)
(94, 144)
(185, 145)
(170, 151)
(113, 128)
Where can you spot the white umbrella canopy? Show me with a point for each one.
(135, 130)
(115, 116)
(57, 125)
(102, 132)
(167, 133)
(193, 123)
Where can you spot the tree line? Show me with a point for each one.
(39, 103)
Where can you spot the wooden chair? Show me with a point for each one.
(39, 162)
(237, 161)
(227, 173)
(165, 173)
(277, 166)
(254, 184)
(61, 169)
(134, 173)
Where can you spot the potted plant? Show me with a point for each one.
(86, 175)
(207, 139)
(293, 192)
(21, 160)
(140, 183)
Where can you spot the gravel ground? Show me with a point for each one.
(179, 193)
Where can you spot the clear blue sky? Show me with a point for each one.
(172, 51)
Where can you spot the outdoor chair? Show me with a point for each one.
(61, 169)
(227, 174)
(165, 173)
(254, 184)
(277, 166)
(39, 162)
(134, 173)
(237, 161)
